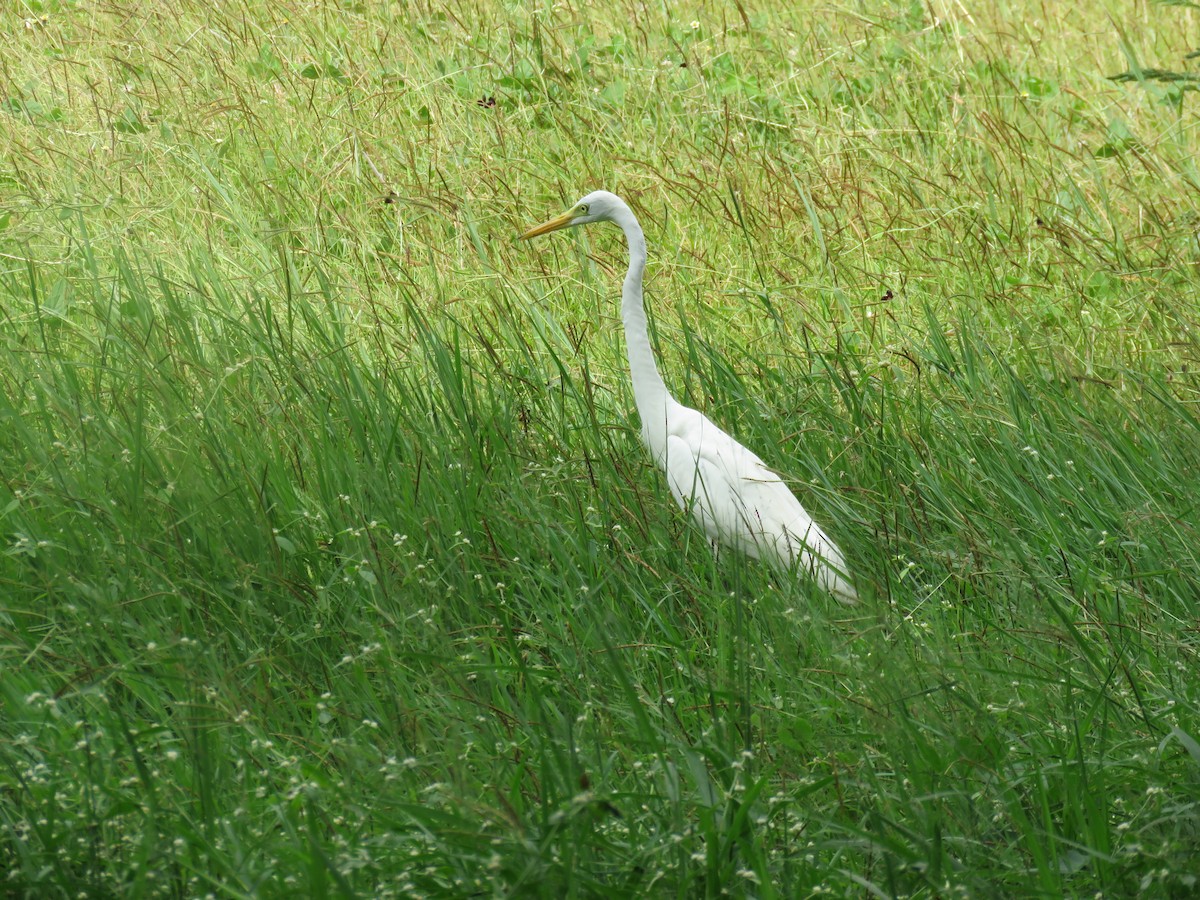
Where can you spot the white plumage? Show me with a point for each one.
(725, 487)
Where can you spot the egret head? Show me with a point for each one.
(598, 206)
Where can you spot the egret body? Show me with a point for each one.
(725, 487)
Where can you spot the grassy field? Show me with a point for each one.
(331, 563)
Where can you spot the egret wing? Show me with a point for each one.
(738, 501)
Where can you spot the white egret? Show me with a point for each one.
(727, 489)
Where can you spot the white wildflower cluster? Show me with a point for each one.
(364, 652)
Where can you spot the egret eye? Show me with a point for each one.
(583, 209)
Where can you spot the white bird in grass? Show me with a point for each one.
(727, 489)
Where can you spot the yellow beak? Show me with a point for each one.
(551, 225)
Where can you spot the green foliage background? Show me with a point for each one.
(331, 563)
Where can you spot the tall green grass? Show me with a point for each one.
(332, 564)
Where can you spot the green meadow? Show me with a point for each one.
(331, 563)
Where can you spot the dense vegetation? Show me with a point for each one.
(331, 563)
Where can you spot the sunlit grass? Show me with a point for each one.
(332, 563)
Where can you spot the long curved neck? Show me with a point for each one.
(649, 392)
